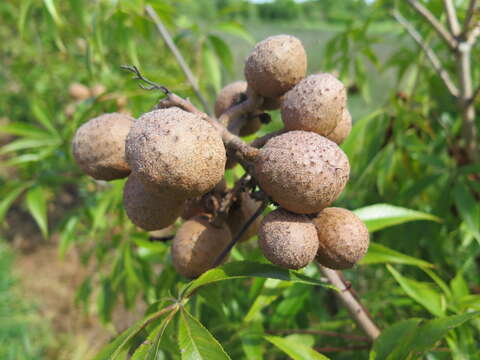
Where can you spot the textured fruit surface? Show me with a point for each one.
(234, 94)
(177, 151)
(99, 146)
(275, 65)
(240, 213)
(196, 246)
(343, 128)
(288, 240)
(230, 95)
(302, 171)
(315, 104)
(343, 238)
(148, 208)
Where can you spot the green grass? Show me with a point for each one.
(22, 334)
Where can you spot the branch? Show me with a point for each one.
(355, 308)
(468, 19)
(437, 25)
(475, 94)
(240, 233)
(178, 56)
(444, 75)
(229, 199)
(452, 17)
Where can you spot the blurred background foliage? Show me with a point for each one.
(402, 152)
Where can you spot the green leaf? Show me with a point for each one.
(37, 205)
(53, 11)
(381, 216)
(235, 29)
(9, 196)
(273, 288)
(196, 342)
(24, 8)
(29, 143)
(395, 339)
(67, 236)
(468, 208)
(150, 348)
(22, 129)
(43, 118)
(423, 293)
(435, 330)
(223, 51)
(243, 269)
(212, 67)
(294, 349)
(380, 254)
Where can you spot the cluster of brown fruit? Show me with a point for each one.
(175, 161)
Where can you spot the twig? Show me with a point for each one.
(468, 19)
(444, 75)
(240, 233)
(437, 26)
(178, 56)
(452, 18)
(261, 141)
(240, 148)
(321, 332)
(229, 199)
(173, 99)
(355, 308)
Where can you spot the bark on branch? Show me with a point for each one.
(357, 311)
(432, 57)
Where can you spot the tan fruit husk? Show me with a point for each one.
(302, 171)
(99, 146)
(288, 240)
(343, 238)
(197, 244)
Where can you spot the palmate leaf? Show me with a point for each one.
(196, 342)
(381, 216)
(244, 269)
(294, 349)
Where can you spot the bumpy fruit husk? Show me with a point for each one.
(197, 244)
(302, 171)
(177, 151)
(234, 94)
(275, 65)
(148, 208)
(343, 238)
(99, 146)
(343, 128)
(315, 104)
(240, 212)
(288, 240)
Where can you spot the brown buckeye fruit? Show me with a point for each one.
(99, 146)
(288, 240)
(343, 238)
(197, 245)
(177, 151)
(275, 65)
(343, 128)
(149, 208)
(302, 171)
(315, 104)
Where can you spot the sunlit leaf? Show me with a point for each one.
(380, 254)
(37, 205)
(381, 216)
(196, 342)
(243, 269)
(235, 29)
(295, 350)
(423, 293)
